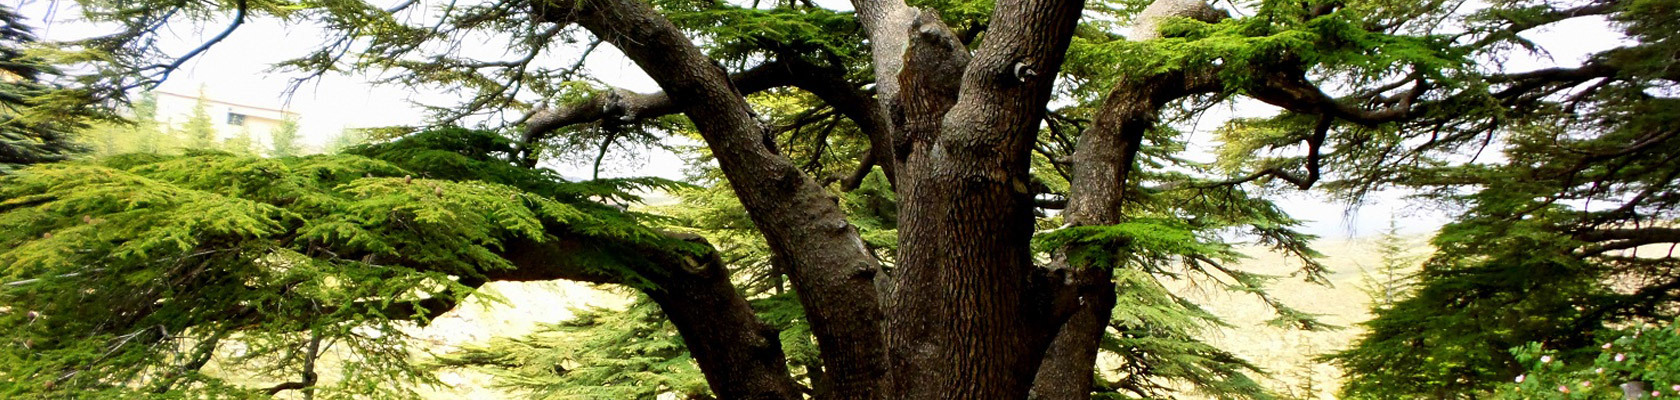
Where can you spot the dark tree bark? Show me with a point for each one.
(966, 315)
(831, 269)
(965, 321)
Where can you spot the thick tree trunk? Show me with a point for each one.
(1068, 366)
(966, 321)
(972, 317)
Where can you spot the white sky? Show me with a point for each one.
(236, 71)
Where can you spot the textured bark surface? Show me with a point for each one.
(963, 322)
(741, 356)
(832, 271)
(966, 314)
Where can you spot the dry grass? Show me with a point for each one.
(1287, 354)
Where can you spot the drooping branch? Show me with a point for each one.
(833, 272)
(740, 355)
(1519, 25)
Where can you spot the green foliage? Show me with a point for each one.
(1492, 286)
(27, 136)
(283, 141)
(198, 131)
(598, 354)
(1342, 43)
(142, 133)
(737, 33)
(1645, 356)
(128, 275)
(1538, 253)
(1158, 336)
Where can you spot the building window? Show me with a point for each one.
(236, 119)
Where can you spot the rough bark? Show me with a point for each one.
(887, 23)
(831, 269)
(964, 324)
(741, 356)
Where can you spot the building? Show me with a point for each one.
(229, 119)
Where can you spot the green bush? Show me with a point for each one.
(1648, 354)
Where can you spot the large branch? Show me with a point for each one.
(1103, 162)
(740, 355)
(888, 25)
(1607, 240)
(831, 269)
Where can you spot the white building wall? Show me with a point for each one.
(229, 119)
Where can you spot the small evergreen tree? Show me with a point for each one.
(151, 137)
(1388, 282)
(141, 133)
(283, 141)
(199, 130)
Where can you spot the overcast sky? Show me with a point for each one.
(236, 71)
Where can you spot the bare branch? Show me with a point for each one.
(629, 106)
(240, 9)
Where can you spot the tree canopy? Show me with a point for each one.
(28, 135)
(900, 199)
